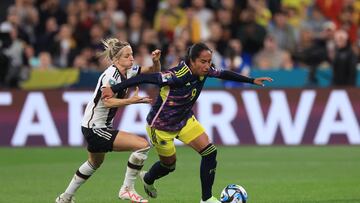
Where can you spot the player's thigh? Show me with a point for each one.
(125, 141)
(96, 159)
(163, 141)
(191, 131)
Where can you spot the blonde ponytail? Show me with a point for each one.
(112, 48)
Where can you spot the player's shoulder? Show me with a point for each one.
(111, 75)
(181, 70)
(111, 70)
(134, 70)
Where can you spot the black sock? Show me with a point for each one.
(207, 170)
(157, 171)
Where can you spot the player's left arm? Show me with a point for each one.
(232, 76)
(156, 67)
(161, 79)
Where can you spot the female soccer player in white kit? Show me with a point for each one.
(97, 123)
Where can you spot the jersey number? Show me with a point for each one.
(193, 94)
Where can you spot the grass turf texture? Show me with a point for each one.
(269, 174)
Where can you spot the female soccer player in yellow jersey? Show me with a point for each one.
(172, 117)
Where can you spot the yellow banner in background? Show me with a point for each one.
(50, 79)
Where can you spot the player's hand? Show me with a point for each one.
(260, 81)
(136, 99)
(155, 55)
(106, 93)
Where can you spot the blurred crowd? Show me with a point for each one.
(244, 34)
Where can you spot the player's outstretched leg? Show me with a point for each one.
(207, 173)
(126, 193)
(81, 175)
(149, 188)
(135, 164)
(64, 198)
(157, 171)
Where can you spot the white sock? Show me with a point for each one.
(135, 163)
(81, 175)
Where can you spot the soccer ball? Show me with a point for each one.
(233, 194)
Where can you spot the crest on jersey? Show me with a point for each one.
(166, 77)
(112, 82)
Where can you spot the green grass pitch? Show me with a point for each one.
(269, 174)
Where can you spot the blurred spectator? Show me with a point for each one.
(345, 21)
(283, 32)
(234, 61)
(5, 42)
(87, 60)
(263, 14)
(193, 25)
(330, 8)
(96, 35)
(80, 62)
(272, 57)
(274, 5)
(168, 18)
(45, 61)
(47, 9)
(306, 40)
(135, 30)
(231, 5)
(13, 19)
(115, 16)
(151, 39)
(321, 50)
(146, 8)
(250, 33)
(296, 10)
(14, 54)
(217, 37)
(224, 17)
(65, 47)
(28, 17)
(183, 37)
(172, 57)
(356, 14)
(204, 15)
(143, 56)
(345, 61)
(106, 25)
(46, 40)
(314, 22)
(30, 59)
(216, 56)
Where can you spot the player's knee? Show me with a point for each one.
(169, 167)
(96, 162)
(142, 144)
(209, 151)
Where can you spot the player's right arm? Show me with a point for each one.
(233, 76)
(161, 79)
(116, 102)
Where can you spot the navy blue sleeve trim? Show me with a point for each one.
(230, 75)
(154, 78)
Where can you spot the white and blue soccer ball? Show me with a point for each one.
(233, 194)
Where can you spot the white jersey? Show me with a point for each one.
(96, 114)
